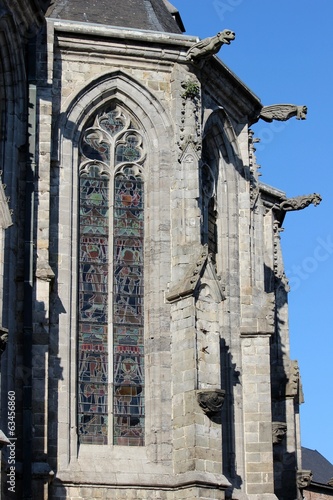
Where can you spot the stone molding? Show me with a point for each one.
(170, 481)
(127, 35)
(191, 281)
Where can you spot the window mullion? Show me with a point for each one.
(111, 302)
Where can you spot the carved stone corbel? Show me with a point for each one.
(44, 272)
(294, 384)
(279, 430)
(303, 478)
(211, 401)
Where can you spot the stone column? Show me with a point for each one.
(259, 480)
(196, 425)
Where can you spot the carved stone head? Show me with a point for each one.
(279, 430)
(226, 36)
(304, 478)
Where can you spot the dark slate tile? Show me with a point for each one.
(140, 14)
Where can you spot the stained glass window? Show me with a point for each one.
(111, 282)
(93, 306)
(128, 309)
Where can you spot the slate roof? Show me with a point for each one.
(155, 15)
(321, 468)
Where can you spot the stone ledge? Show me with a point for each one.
(121, 33)
(152, 481)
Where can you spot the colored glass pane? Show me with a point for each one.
(93, 308)
(128, 149)
(128, 312)
(95, 146)
(112, 121)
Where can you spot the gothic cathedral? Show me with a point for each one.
(144, 316)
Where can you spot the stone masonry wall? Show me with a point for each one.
(257, 415)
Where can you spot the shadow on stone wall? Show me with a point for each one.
(229, 379)
(285, 386)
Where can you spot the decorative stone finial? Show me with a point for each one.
(211, 401)
(283, 112)
(279, 430)
(300, 202)
(207, 47)
(304, 478)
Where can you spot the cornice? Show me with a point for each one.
(164, 47)
(92, 29)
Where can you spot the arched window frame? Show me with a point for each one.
(209, 174)
(111, 365)
(222, 161)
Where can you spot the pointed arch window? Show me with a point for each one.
(208, 189)
(111, 280)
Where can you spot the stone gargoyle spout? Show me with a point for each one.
(206, 48)
(300, 202)
(281, 113)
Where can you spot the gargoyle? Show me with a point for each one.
(300, 202)
(207, 47)
(282, 112)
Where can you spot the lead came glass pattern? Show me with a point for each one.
(128, 310)
(111, 148)
(93, 307)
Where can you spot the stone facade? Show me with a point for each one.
(217, 367)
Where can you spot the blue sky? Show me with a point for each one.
(283, 52)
